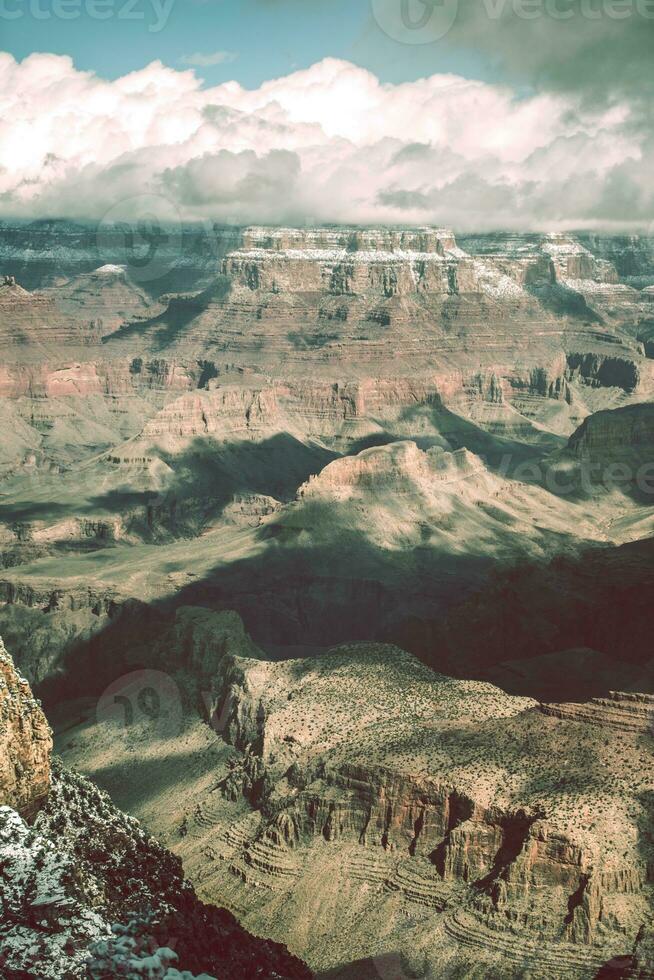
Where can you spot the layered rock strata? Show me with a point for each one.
(624, 711)
(25, 743)
(501, 827)
(85, 891)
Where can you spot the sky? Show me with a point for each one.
(258, 39)
(481, 114)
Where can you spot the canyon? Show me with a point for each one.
(378, 505)
(85, 892)
(383, 817)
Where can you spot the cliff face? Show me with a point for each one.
(317, 433)
(621, 710)
(85, 891)
(338, 305)
(446, 801)
(626, 432)
(25, 743)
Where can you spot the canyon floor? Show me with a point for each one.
(330, 554)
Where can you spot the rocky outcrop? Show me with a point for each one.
(359, 753)
(624, 711)
(87, 893)
(642, 965)
(25, 743)
(571, 260)
(605, 370)
(395, 465)
(627, 432)
(84, 874)
(523, 873)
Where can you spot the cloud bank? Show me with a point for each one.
(326, 144)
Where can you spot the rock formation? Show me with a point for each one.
(345, 434)
(625, 434)
(624, 711)
(85, 892)
(456, 832)
(25, 743)
(511, 836)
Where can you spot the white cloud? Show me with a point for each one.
(199, 60)
(329, 143)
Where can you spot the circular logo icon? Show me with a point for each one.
(143, 235)
(415, 21)
(143, 700)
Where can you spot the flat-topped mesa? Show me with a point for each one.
(25, 743)
(379, 262)
(390, 262)
(437, 240)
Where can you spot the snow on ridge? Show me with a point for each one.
(109, 269)
(344, 255)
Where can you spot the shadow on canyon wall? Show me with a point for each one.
(205, 477)
(165, 328)
(473, 620)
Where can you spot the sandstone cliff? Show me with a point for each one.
(25, 743)
(626, 433)
(85, 891)
(500, 828)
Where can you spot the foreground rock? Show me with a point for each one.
(85, 892)
(25, 743)
(85, 875)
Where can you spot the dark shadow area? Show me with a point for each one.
(15, 513)
(207, 475)
(389, 966)
(601, 600)
(486, 612)
(618, 968)
(564, 302)
(496, 450)
(164, 329)
(146, 777)
(606, 371)
(516, 830)
(463, 615)
(88, 663)
(214, 472)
